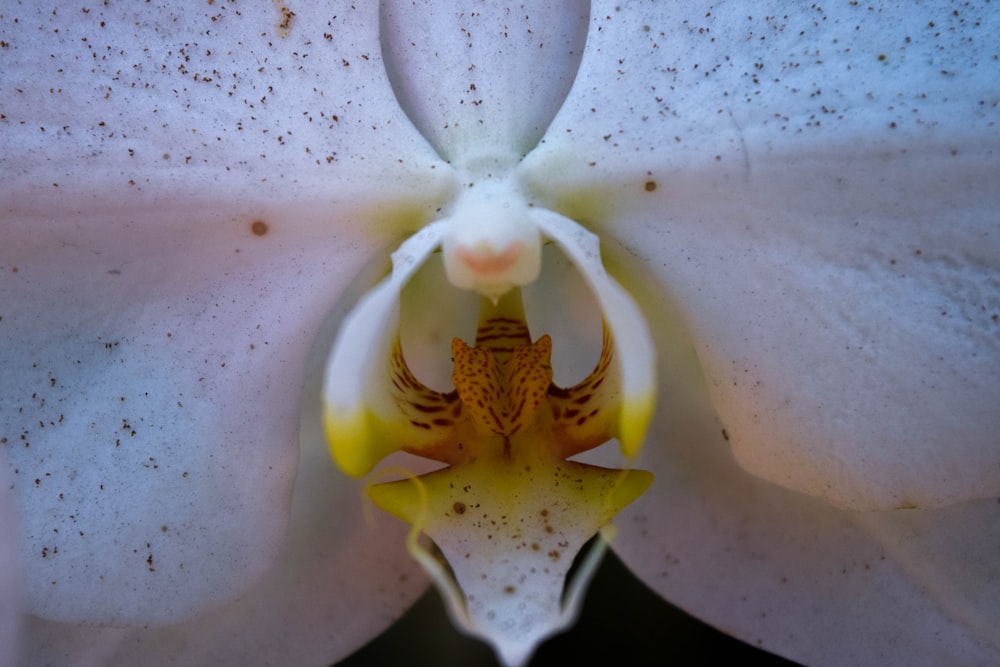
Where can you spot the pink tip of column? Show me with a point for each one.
(486, 261)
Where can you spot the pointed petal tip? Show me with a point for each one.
(405, 499)
(630, 485)
(513, 654)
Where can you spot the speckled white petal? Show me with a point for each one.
(180, 211)
(670, 87)
(211, 508)
(795, 576)
(817, 189)
(159, 104)
(849, 335)
(328, 593)
(483, 80)
(777, 254)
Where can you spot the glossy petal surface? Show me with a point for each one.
(822, 221)
(816, 189)
(313, 607)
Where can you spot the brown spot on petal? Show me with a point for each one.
(285, 16)
(258, 227)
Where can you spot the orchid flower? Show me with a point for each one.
(801, 199)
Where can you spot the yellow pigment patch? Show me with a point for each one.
(359, 440)
(636, 414)
(500, 492)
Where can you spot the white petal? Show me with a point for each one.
(139, 367)
(760, 248)
(787, 572)
(827, 219)
(154, 341)
(950, 554)
(797, 577)
(483, 83)
(328, 593)
(850, 352)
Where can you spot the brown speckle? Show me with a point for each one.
(258, 227)
(285, 18)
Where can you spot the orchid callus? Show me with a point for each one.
(198, 204)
